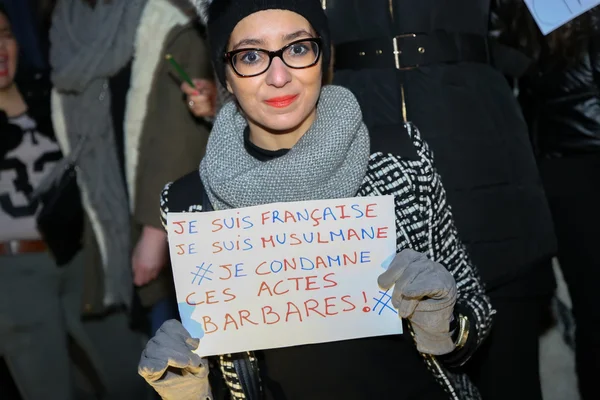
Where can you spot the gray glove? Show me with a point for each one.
(171, 368)
(425, 294)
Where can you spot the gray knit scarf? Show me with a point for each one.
(329, 161)
(89, 45)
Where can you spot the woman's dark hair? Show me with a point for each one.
(3, 12)
(566, 44)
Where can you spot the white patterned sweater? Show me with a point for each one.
(424, 223)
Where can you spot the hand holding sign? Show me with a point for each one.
(424, 293)
(552, 14)
(284, 274)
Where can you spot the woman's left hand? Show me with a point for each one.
(425, 294)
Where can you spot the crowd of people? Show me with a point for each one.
(484, 130)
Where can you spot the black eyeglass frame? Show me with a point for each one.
(272, 54)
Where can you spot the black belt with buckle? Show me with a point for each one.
(412, 50)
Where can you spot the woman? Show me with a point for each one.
(258, 153)
(40, 236)
(561, 100)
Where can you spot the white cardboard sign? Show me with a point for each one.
(284, 274)
(552, 14)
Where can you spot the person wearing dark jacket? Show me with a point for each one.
(312, 146)
(430, 62)
(561, 101)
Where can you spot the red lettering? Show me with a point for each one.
(263, 287)
(342, 209)
(311, 283)
(210, 295)
(319, 239)
(290, 265)
(275, 289)
(289, 215)
(217, 223)
(328, 305)
(187, 300)
(369, 211)
(262, 273)
(270, 311)
(290, 311)
(180, 225)
(320, 262)
(382, 233)
(269, 240)
(207, 321)
(345, 300)
(217, 247)
(245, 316)
(297, 280)
(296, 241)
(315, 219)
(227, 292)
(226, 268)
(230, 320)
(181, 251)
(313, 308)
(352, 233)
(265, 216)
(332, 282)
(348, 260)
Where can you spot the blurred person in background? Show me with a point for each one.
(561, 101)
(114, 86)
(41, 274)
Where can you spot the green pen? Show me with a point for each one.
(180, 70)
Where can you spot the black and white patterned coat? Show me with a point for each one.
(423, 223)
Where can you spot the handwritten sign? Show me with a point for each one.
(284, 274)
(552, 14)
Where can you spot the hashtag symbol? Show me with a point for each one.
(201, 273)
(383, 302)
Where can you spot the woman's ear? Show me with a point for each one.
(229, 88)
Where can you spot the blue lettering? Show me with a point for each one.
(331, 260)
(333, 235)
(248, 222)
(279, 263)
(281, 241)
(276, 216)
(365, 257)
(365, 233)
(248, 244)
(356, 208)
(303, 215)
(328, 212)
(192, 248)
(308, 268)
(227, 225)
(312, 237)
(227, 248)
(192, 227)
(239, 270)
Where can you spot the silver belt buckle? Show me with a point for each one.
(398, 51)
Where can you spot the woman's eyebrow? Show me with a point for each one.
(261, 42)
(249, 42)
(296, 35)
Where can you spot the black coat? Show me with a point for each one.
(467, 113)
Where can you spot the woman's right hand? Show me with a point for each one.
(202, 98)
(170, 366)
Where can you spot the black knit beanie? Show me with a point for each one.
(224, 15)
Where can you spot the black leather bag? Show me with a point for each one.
(60, 220)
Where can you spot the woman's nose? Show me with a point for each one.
(278, 74)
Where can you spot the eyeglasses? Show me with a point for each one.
(299, 54)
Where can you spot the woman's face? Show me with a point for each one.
(282, 99)
(8, 54)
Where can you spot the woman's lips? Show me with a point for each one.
(281, 102)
